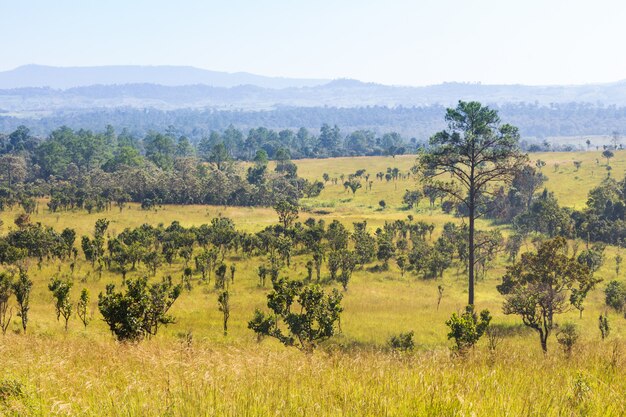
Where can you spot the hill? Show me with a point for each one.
(167, 75)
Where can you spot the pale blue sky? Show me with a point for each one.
(391, 42)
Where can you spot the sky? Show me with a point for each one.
(419, 42)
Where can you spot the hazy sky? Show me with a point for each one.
(392, 42)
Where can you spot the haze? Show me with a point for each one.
(400, 42)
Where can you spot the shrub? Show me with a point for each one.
(615, 296)
(567, 336)
(140, 310)
(402, 342)
(466, 329)
(301, 315)
(603, 325)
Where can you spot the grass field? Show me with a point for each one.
(190, 368)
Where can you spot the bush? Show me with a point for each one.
(615, 296)
(313, 320)
(466, 329)
(141, 310)
(402, 342)
(447, 206)
(567, 336)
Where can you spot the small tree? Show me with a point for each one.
(382, 204)
(412, 198)
(577, 165)
(603, 325)
(233, 269)
(82, 306)
(21, 288)
(403, 262)
(615, 296)
(348, 263)
(60, 289)
(567, 336)
(353, 184)
(439, 295)
(223, 303)
(141, 310)
(608, 154)
(466, 329)
(301, 315)
(6, 289)
(402, 342)
(220, 276)
(287, 212)
(537, 286)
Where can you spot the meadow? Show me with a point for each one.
(190, 368)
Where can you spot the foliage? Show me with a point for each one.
(477, 151)
(537, 287)
(82, 306)
(567, 335)
(615, 296)
(403, 342)
(138, 312)
(223, 303)
(467, 328)
(22, 289)
(60, 289)
(6, 290)
(604, 326)
(301, 315)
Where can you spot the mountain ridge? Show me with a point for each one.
(33, 75)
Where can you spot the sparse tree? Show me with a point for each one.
(223, 303)
(287, 212)
(82, 307)
(353, 184)
(477, 151)
(141, 310)
(603, 325)
(615, 296)
(536, 288)
(6, 290)
(608, 154)
(467, 328)
(60, 289)
(314, 321)
(22, 288)
(567, 335)
(577, 165)
(439, 295)
(412, 198)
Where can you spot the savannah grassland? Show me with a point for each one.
(191, 369)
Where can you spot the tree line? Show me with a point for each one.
(94, 171)
(535, 120)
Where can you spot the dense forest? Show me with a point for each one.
(82, 169)
(535, 121)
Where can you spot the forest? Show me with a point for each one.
(536, 121)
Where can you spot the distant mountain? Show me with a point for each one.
(69, 77)
(40, 91)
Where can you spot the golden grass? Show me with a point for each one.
(92, 378)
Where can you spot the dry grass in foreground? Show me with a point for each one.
(79, 376)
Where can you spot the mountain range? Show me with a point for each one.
(35, 90)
